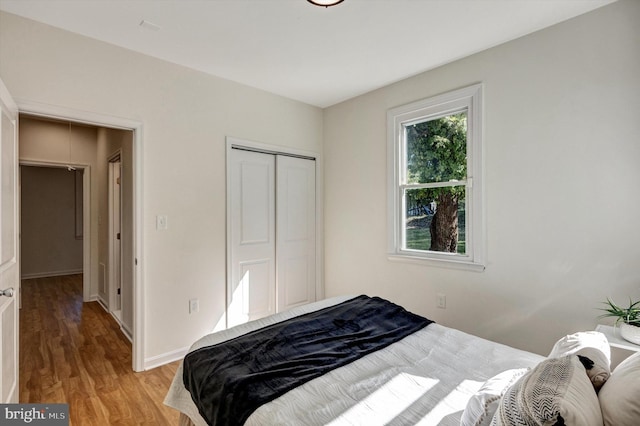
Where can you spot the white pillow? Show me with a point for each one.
(483, 404)
(554, 390)
(620, 395)
(574, 343)
(591, 344)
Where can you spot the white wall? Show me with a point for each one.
(562, 134)
(186, 116)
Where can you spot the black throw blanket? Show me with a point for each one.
(230, 380)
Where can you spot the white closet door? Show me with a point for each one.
(252, 226)
(296, 232)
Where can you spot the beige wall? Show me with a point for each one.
(48, 243)
(102, 153)
(55, 142)
(562, 150)
(186, 116)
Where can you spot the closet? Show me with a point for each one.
(271, 207)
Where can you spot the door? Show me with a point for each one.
(9, 273)
(115, 236)
(251, 199)
(296, 231)
(272, 223)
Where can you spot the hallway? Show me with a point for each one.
(75, 353)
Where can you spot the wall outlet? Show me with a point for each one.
(194, 306)
(442, 301)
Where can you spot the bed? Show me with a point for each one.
(433, 376)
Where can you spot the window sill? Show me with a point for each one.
(443, 263)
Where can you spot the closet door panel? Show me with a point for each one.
(256, 202)
(251, 292)
(296, 232)
(256, 297)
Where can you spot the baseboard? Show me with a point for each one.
(166, 358)
(123, 327)
(126, 331)
(50, 274)
(102, 303)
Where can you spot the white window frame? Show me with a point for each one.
(467, 99)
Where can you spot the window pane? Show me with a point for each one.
(435, 219)
(437, 149)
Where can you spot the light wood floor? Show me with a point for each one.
(75, 353)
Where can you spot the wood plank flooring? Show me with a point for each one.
(74, 352)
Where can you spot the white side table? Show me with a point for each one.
(613, 336)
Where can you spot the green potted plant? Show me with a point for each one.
(627, 318)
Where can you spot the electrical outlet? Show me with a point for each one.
(194, 306)
(442, 301)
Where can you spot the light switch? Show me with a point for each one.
(442, 301)
(194, 306)
(161, 222)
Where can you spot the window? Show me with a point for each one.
(435, 180)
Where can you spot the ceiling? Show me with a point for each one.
(320, 56)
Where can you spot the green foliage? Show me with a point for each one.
(630, 315)
(437, 149)
(437, 152)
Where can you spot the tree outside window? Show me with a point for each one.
(436, 155)
(435, 179)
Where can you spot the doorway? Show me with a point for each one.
(93, 155)
(47, 177)
(51, 213)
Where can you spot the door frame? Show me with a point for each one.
(86, 214)
(233, 142)
(103, 120)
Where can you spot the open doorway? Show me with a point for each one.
(51, 221)
(86, 151)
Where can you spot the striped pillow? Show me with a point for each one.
(484, 403)
(555, 392)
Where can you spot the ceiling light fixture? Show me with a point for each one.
(325, 3)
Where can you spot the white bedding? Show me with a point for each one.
(426, 378)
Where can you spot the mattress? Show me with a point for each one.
(425, 378)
